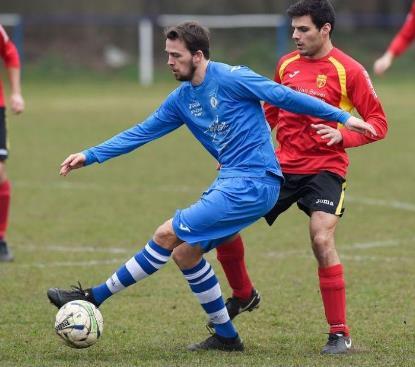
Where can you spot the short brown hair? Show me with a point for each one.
(320, 11)
(194, 36)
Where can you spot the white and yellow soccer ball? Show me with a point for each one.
(79, 324)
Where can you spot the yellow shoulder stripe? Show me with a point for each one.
(285, 64)
(345, 103)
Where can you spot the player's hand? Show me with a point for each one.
(74, 161)
(358, 125)
(329, 133)
(383, 63)
(16, 103)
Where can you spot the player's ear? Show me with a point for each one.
(325, 29)
(198, 56)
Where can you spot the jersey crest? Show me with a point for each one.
(213, 102)
(321, 80)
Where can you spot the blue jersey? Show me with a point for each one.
(225, 114)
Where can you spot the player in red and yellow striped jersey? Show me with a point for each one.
(10, 57)
(399, 44)
(313, 159)
(340, 81)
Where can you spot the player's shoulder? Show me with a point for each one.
(290, 56)
(226, 74)
(349, 63)
(226, 70)
(287, 59)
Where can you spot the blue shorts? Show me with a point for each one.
(227, 207)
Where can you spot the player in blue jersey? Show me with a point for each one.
(220, 104)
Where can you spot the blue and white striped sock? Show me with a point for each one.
(144, 263)
(205, 287)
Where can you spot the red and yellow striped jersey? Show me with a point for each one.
(338, 80)
(9, 55)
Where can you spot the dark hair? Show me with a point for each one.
(194, 36)
(320, 11)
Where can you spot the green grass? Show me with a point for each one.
(84, 226)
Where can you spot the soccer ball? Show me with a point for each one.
(79, 324)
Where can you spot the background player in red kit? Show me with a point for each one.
(314, 163)
(398, 45)
(10, 57)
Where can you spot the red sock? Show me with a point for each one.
(333, 293)
(4, 206)
(231, 257)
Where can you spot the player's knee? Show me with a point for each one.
(319, 239)
(323, 244)
(186, 256)
(3, 176)
(179, 257)
(165, 236)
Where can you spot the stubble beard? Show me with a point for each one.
(187, 77)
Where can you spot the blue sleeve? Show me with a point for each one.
(248, 84)
(161, 122)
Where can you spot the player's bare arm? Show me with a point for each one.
(73, 161)
(16, 98)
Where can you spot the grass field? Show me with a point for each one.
(84, 226)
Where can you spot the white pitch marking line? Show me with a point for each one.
(394, 204)
(378, 258)
(70, 264)
(284, 254)
(273, 254)
(66, 185)
(62, 248)
(345, 247)
(377, 244)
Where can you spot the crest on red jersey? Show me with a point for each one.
(321, 80)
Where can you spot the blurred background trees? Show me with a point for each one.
(100, 36)
(180, 6)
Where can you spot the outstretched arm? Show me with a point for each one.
(122, 143)
(160, 123)
(399, 44)
(302, 103)
(247, 83)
